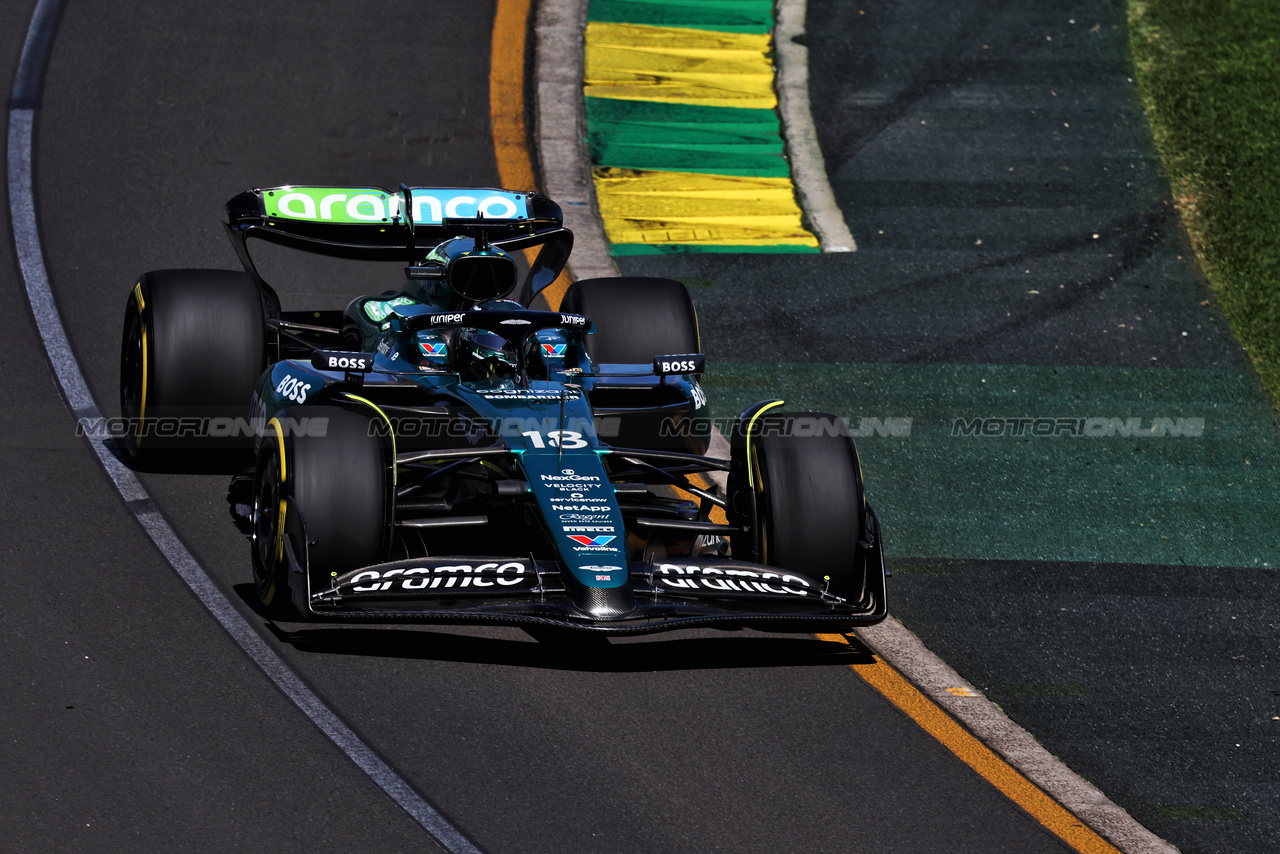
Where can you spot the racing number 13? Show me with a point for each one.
(566, 439)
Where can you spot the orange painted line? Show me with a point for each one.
(999, 773)
(507, 112)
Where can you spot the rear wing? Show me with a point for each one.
(373, 224)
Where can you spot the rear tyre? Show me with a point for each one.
(635, 318)
(194, 345)
(810, 508)
(337, 482)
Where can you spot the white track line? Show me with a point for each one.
(808, 167)
(26, 239)
(559, 58)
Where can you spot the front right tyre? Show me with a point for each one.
(810, 513)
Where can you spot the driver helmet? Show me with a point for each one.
(485, 355)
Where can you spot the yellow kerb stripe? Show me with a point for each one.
(679, 66)
(933, 720)
(641, 206)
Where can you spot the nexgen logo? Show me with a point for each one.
(430, 207)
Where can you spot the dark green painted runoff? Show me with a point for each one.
(685, 138)
(728, 16)
(1191, 500)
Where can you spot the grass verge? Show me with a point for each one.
(1209, 74)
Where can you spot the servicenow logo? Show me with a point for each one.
(369, 204)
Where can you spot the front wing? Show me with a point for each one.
(668, 594)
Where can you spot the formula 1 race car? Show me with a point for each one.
(443, 452)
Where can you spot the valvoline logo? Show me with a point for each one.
(554, 351)
(592, 541)
(433, 349)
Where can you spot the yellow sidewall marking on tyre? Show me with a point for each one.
(751, 481)
(391, 431)
(965, 746)
(142, 325)
(274, 423)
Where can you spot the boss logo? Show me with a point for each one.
(292, 388)
(692, 363)
(336, 360)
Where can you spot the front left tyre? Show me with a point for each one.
(326, 465)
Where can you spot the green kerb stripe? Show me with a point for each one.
(729, 16)
(685, 138)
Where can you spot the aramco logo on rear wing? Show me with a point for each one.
(362, 205)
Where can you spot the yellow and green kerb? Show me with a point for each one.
(686, 146)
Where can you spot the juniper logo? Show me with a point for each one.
(370, 204)
(1097, 427)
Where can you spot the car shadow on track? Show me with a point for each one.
(568, 650)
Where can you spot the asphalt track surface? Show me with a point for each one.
(132, 722)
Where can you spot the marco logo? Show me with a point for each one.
(370, 204)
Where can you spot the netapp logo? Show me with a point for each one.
(730, 580)
(431, 578)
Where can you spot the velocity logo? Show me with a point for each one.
(433, 349)
(554, 351)
(592, 541)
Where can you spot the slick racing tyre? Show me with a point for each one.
(810, 509)
(193, 348)
(335, 479)
(635, 318)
